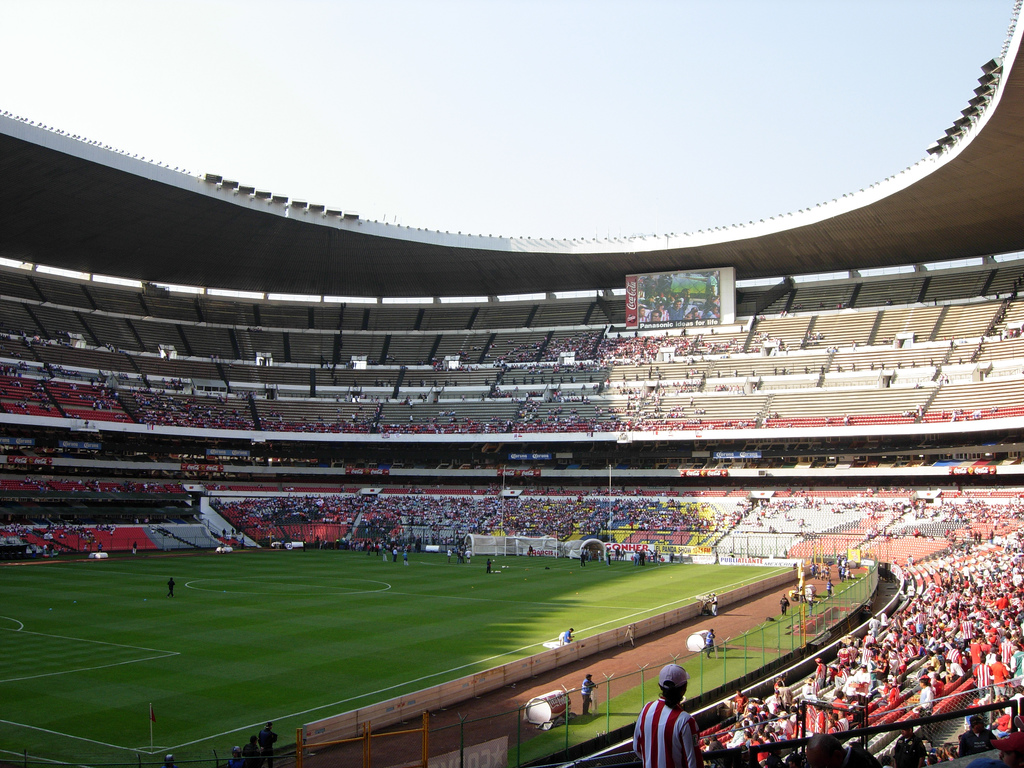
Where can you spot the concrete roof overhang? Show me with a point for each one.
(78, 206)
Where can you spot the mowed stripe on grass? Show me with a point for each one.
(287, 636)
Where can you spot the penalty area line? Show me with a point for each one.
(424, 678)
(25, 755)
(166, 655)
(88, 640)
(159, 653)
(406, 683)
(67, 736)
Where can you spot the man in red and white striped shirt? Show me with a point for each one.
(1006, 650)
(953, 658)
(982, 675)
(666, 736)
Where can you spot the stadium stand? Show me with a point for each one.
(877, 410)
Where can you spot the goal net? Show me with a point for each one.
(486, 546)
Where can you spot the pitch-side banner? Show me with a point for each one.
(622, 547)
(489, 754)
(764, 561)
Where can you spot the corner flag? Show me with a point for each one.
(152, 715)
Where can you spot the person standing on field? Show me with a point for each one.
(170, 587)
(587, 691)
(709, 643)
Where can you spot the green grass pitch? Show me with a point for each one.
(86, 646)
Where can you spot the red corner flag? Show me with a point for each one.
(152, 715)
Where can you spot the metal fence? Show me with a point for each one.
(877, 739)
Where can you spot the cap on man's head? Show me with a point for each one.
(1012, 743)
(672, 676)
(169, 758)
(236, 750)
(975, 720)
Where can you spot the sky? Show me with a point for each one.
(521, 118)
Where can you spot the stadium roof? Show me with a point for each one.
(77, 205)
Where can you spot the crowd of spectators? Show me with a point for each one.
(528, 368)
(644, 350)
(215, 412)
(582, 344)
(284, 510)
(449, 517)
(360, 421)
(957, 642)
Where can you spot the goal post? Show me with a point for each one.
(492, 546)
(542, 546)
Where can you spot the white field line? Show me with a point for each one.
(88, 669)
(379, 691)
(35, 757)
(441, 673)
(662, 607)
(66, 735)
(160, 654)
(340, 589)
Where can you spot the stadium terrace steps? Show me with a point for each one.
(643, 395)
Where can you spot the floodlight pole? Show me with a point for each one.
(609, 498)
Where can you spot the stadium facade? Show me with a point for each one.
(166, 328)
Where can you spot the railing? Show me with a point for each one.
(747, 758)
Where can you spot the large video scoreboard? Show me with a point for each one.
(679, 299)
